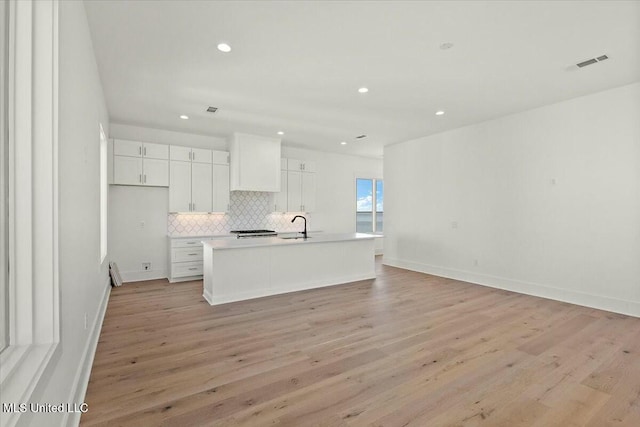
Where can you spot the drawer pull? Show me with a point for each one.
(191, 243)
(193, 268)
(192, 254)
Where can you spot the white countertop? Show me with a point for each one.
(254, 242)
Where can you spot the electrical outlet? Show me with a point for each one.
(146, 266)
(454, 224)
(142, 224)
(86, 322)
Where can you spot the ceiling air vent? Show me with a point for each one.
(212, 109)
(361, 136)
(592, 61)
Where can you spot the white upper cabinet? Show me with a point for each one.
(301, 165)
(199, 180)
(177, 152)
(188, 154)
(220, 157)
(201, 187)
(180, 186)
(280, 198)
(220, 187)
(308, 192)
(123, 147)
(255, 163)
(155, 151)
(140, 163)
(201, 155)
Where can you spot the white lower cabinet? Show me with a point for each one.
(185, 257)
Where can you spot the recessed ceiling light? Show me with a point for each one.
(363, 90)
(343, 143)
(445, 46)
(223, 47)
(439, 113)
(280, 132)
(184, 117)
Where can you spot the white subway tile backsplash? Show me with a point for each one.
(248, 210)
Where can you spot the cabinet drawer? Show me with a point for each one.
(187, 243)
(186, 254)
(185, 269)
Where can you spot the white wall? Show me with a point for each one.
(547, 201)
(131, 245)
(84, 282)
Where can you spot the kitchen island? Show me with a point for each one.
(240, 269)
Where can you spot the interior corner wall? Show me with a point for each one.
(544, 202)
(83, 279)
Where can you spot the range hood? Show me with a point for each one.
(254, 163)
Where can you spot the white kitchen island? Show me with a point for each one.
(240, 269)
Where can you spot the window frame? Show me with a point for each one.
(34, 306)
(374, 201)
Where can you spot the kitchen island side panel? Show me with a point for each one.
(253, 272)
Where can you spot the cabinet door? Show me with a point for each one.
(122, 147)
(127, 170)
(155, 172)
(220, 188)
(155, 151)
(280, 199)
(182, 154)
(308, 166)
(180, 187)
(201, 187)
(283, 164)
(294, 164)
(221, 157)
(308, 192)
(201, 155)
(294, 191)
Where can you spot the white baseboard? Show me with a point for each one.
(631, 308)
(138, 276)
(81, 380)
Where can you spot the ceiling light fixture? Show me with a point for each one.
(280, 132)
(223, 47)
(363, 90)
(184, 117)
(439, 113)
(343, 143)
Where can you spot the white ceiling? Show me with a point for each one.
(296, 66)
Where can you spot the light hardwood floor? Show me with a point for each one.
(404, 349)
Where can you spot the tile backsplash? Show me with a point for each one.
(248, 210)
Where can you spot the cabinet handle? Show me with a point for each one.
(140, 178)
(191, 243)
(193, 156)
(145, 151)
(140, 150)
(227, 159)
(193, 268)
(192, 254)
(145, 178)
(189, 155)
(194, 206)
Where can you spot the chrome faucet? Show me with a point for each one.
(304, 233)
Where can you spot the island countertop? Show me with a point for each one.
(254, 242)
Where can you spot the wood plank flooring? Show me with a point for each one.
(405, 349)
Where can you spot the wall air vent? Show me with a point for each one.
(592, 61)
(361, 136)
(212, 109)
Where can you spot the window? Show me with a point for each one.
(369, 205)
(104, 194)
